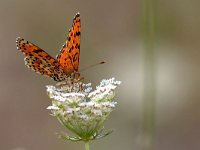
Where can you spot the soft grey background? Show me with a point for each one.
(111, 32)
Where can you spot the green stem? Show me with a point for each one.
(87, 145)
(149, 75)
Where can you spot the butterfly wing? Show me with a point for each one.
(69, 54)
(40, 61)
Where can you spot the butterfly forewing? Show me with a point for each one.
(69, 54)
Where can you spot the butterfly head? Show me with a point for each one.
(75, 75)
(72, 73)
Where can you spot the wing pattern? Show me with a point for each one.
(67, 61)
(69, 54)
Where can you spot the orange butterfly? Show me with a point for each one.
(67, 62)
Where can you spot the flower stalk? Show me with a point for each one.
(87, 145)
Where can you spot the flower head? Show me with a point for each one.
(82, 110)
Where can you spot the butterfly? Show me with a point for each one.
(67, 63)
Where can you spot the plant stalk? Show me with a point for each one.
(87, 145)
(149, 75)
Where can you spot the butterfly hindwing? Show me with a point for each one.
(40, 61)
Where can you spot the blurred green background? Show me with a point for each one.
(112, 32)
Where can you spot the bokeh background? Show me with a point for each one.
(111, 31)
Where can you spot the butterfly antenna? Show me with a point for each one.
(91, 66)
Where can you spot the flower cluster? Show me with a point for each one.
(82, 110)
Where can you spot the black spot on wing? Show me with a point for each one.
(77, 46)
(37, 50)
(70, 50)
(48, 57)
(77, 33)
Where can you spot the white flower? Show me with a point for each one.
(82, 110)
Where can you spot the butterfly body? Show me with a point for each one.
(67, 62)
